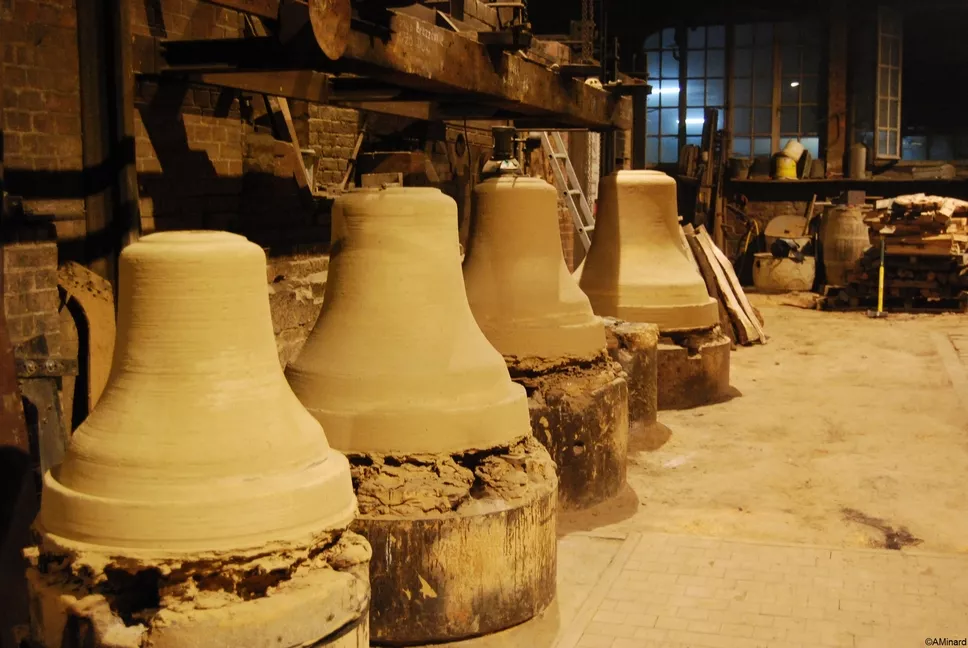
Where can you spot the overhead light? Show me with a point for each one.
(667, 90)
(794, 84)
(695, 120)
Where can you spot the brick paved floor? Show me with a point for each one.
(675, 591)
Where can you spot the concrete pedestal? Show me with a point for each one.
(463, 545)
(692, 369)
(579, 412)
(633, 345)
(310, 596)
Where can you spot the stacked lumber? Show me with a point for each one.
(738, 319)
(925, 262)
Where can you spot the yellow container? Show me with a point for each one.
(786, 168)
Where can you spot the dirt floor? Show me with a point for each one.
(845, 431)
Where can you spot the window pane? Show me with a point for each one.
(886, 46)
(652, 64)
(883, 118)
(696, 64)
(697, 38)
(913, 147)
(715, 63)
(669, 89)
(788, 32)
(670, 66)
(790, 91)
(742, 92)
(790, 60)
(812, 144)
(885, 82)
(763, 63)
(695, 117)
(743, 62)
(695, 93)
(715, 92)
(654, 98)
(716, 36)
(892, 143)
(743, 35)
(894, 111)
(811, 60)
(895, 83)
(669, 121)
(741, 147)
(695, 141)
(896, 54)
(652, 41)
(882, 142)
(669, 37)
(808, 120)
(669, 149)
(941, 149)
(652, 150)
(763, 91)
(809, 92)
(741, 121)
(789, 121)
(764, 34)
(763, 121)
(762, 146)
(651, 121)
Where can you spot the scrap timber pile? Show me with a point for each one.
(925, 262)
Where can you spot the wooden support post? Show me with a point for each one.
(837, 130)
(639, 97)
(107, 117)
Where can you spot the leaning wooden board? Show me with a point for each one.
(732, 330)
(745, 329)
(726, 266)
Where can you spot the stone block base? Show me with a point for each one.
(579, 412)
(314, 596)
(463, 545)
(693, 369)
(633, 345)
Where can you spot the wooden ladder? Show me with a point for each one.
(567, 182)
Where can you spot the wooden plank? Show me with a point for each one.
(305, 85)
(413, 55)
(733, 281)
(264, 8)
(281, 105)
(745, 330)
(351, 163)
(730, 314)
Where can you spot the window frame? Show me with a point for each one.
(892, 102)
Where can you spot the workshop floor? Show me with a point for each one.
(765, 521)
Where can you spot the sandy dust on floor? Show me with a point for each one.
(838, 411)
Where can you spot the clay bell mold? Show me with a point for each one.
(518, 286)
(198, 444)
(396, 362)
(637, 268)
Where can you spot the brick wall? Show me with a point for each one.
(30, 298)
(40, 108)
(296, 286)
(332, 134)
